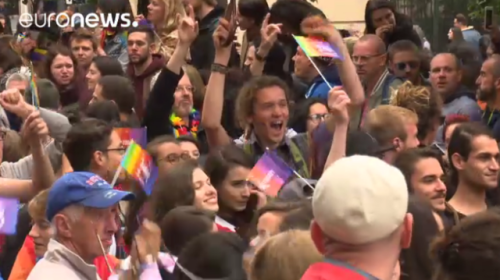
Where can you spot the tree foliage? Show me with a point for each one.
(476, 7)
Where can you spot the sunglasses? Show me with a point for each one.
(410, 64)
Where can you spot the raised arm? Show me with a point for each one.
(269, 35)
(35, 130)
(338, 101)
(318, 26)
(161, 98)
(214, 96)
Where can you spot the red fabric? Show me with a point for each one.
(25, 261)
(225, 229)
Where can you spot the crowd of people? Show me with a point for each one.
(393, 147)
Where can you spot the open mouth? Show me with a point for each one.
(277, 125)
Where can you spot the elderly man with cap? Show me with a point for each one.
(83, 211)
(360, 220)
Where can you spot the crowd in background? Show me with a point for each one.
(393, 147)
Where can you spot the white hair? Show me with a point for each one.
(74, 212)
(16, 77)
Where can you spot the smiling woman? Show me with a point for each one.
(185, 184)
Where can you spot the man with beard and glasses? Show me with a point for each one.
(473, 156)
(424, 175)
(488, 84)
(143, 65)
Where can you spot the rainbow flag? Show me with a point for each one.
(38, 54)
(35, 100)
(138, 135)
(139, 164)
(315, 47)
(9, 208)
(270, 174)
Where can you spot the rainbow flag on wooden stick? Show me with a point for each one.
(315, 47)
(139, 164)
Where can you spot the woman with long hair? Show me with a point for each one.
(382, 19)
(228, 169)
(60, 68)
(162, 14)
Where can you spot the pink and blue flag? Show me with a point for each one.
(270, 174)
(147, 23)
(9, 208)
(138, 135)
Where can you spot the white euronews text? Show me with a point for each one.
(63, 20)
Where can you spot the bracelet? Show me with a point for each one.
(259, 57)
(219, 68)
(147, 266)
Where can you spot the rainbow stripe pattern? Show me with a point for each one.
(138, 135)
(9, 208)
(270, 174)
(35, 100)
(139, 164)
(315, 47)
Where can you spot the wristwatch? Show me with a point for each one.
(219, 68)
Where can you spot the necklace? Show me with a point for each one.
(180, 128)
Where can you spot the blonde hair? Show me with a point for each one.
(421, 100)
(170, 23)
(285, 256)
(38, 206)
(387, 122)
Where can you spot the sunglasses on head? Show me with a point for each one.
(410, 64)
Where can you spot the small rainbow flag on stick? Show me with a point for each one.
(9, 208)
(315, 47)
(139, 164)
(35, 100)
(138, 135)
(270, 174)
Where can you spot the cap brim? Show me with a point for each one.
(106, 198)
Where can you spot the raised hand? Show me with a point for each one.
(222, 51)
(382, 31)
(269, 33)
(320, 27)
(13, 101)
(35, 129)
(338, 102)
(187, 27)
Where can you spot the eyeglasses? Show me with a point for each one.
(175, 158)
(185, 89)
(411, 64)
(318, 117)
(121, 150)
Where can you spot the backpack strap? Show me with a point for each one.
(298, 159)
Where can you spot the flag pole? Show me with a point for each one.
(117, 174)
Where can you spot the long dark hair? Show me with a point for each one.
(404, 26)
(116, 8)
